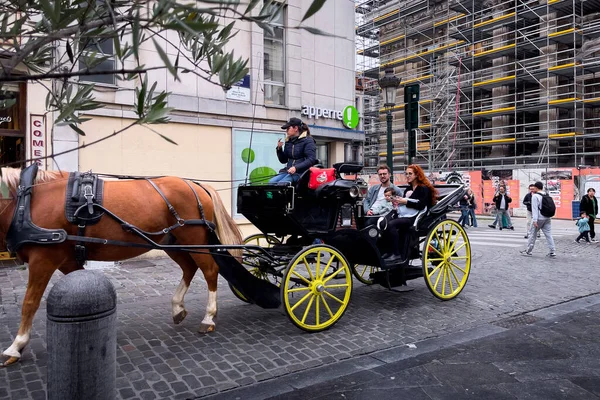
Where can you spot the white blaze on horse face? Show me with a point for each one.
(177, 301)
(15, 349)
(211, 308)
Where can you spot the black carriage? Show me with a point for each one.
(313, 241)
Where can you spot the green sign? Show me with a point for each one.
(350, 117)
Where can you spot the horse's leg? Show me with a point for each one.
(40, 271)
(189, 268)
(211, 274)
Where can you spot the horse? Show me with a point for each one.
(141, 205)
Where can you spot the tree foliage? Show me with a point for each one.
(57, 42)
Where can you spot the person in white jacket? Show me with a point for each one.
(539, 222)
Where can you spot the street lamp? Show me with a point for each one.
(389, 84)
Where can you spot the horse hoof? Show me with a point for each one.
(206, 328)
(11, 360)
(179, 317)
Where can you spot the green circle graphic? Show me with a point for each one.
(350, 117)
(248, 155)
(261, 175)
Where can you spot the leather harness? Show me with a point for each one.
(85, 191)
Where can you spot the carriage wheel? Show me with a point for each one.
(316, 287)
(362, 273)
(251, 263)
(446, 259)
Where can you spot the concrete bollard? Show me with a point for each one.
(82, 337)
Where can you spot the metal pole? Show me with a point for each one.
(390, 156)
(411, 139)
(82, 337)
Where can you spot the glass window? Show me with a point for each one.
(94, 51)
(323, 153)
(274, 59)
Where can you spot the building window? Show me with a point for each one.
(323, 153)
(95, 51)
(274, 60)
(12, 125)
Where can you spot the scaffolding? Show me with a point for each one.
(504, 84)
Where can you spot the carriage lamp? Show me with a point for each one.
(389, 84)
(354, 191)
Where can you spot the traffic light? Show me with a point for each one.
(411, 93)
(412, 144)
(411, 116)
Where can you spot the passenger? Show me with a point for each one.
(376, 193)
(299, 152)
(386, 206)
(419, 195)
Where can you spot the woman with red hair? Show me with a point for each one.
(417, 196)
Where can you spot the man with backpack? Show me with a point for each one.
(542, 210)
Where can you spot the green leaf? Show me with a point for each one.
(70, 52)
(165, 59)
(315, 31)
(167, 139)
(77, 129)
(312, 10)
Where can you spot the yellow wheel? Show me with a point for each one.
(446, 259)
(252, 263)
(316, 288)
(362, 273)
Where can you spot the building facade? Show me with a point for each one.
(224, 137)
(503, 84)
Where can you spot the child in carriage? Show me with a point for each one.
(384, 207)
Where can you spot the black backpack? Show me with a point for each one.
(548, 209)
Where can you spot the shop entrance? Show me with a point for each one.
(12, 137)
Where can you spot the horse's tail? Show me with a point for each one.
(227, 229)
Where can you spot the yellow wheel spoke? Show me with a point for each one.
(437, 251)
(312, 298)
(337, 285)
(458, 236)
(437, 280)
(335, 298)
(435, 259)
(302, 300)
(326, 306)
(449, 280)
(317, 318)
(301, 277)
(453, 250)
(300, 289)
(459, 268)
(312, 278)
(318, 266)
(327, 266)
(455, 277)
(444, 281)
(460, 257)
(434, 270)
(330, 277)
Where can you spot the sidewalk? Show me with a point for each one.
(553, 353)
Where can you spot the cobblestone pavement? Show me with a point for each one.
(157, 359)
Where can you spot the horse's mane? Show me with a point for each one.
(11, 177)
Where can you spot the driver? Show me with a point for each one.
(417, 196)
(298, 154)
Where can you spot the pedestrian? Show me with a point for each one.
(527, 202)
(584, 228)
(472, 208)
(464, 210)
(540, 222)
(376, 193)
(502, 200)
(589, 204)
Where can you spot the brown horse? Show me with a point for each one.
(139, 204)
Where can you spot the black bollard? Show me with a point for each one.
(82, 337)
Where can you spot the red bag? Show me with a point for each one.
(319, 176)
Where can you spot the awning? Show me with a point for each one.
(325, 132)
